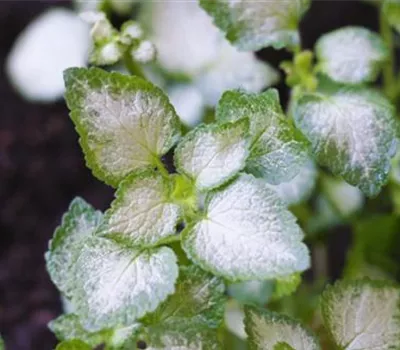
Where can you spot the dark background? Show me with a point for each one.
(42, 169)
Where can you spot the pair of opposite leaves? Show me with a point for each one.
(352, 131)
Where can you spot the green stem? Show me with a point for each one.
(169, 240)
(132, 66)
(389, 82)
(185, 195)
(161, 168)
(192, 214)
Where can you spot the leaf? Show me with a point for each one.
(253, 25)
(68, 327)
(183, 321)
(246, 233)
(300, 188)
(142, 213)
(277, 151)
(179, 54)
(253, 75)
(80, 221)
(115, 285)
(267, 330)
(352, 133)
(362, 314)
(213, 154)
(351, 55)
(198, 300)
(125, 123)
(53, 41)
(391, 11)
(188, 102)
(181, 337)
(74, 344)
(1, 343)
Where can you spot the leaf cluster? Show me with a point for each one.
(157, 268)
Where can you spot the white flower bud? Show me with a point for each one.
(109, 54)
(133, 31)
(130, 32)
(101, 30)
(145, 52)
(101, 27)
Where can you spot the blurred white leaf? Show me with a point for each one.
(54, 41)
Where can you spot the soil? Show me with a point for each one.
(42, 169)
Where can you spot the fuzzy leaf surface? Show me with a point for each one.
(213, 154)
(68, 327)
(124, 122)
(362, 314)
(142, 213)
(80, 221)
(351, 55)
(188, 319)
(353, 133)
(277, 150)
(181, 336)
(269, 330)
(247, 233)
(253, 25)
(115, 284)
(198, 299)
